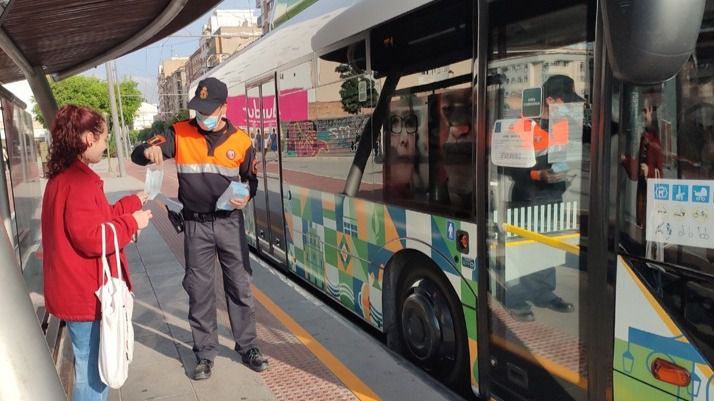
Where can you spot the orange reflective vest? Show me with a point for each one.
(194, 156)
(206, 165)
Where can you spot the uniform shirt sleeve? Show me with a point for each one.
(168, 147)
(248, 172)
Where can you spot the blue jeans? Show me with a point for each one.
(88, 385)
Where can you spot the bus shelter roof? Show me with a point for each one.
(66, 37)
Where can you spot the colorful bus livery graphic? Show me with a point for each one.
(645, 335)
(648, 347)
(342, 246)
(349, 241)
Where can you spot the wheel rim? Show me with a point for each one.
(427, 327)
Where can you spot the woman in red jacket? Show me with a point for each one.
(649, 162)
(73, 210)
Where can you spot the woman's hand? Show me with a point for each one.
(239, 203)
(142, 218)
(143, 196)
(645, 170)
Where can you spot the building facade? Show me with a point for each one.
(266, 8)
(173, 85)
(227, 31)
(145, 115)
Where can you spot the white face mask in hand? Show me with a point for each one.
(154, 179)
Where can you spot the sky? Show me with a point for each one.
(143, 65)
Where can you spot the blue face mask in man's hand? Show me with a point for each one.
(208, 123)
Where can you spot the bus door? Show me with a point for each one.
(664, 309)
(263, 126)
(538, 123)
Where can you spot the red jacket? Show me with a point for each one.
(73, 208)
(650, 153)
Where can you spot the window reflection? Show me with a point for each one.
(666, 189)
(666, 156)
(321, 125)
(428, 142)
(538, 119)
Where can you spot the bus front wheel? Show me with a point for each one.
(432, 327)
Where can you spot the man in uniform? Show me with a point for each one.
(210, 153)
(542, 184)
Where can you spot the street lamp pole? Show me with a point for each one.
(115, 120)
(125, 134)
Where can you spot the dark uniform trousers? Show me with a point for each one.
(202, 240)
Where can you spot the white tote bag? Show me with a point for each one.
(116, 334)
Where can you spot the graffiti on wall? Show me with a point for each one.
(333, 136)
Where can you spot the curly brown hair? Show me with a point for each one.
(70, 123)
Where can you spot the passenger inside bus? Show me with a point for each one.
(429, 147)
(675, 154)
(407, 132)
(542, 184)
(649, 161)
(456, 145)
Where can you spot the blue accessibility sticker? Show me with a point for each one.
(661, 191)
(680, 193)
(450, 230)
(701, 193)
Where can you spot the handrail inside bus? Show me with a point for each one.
(543, 239)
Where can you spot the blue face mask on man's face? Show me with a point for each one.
(208, 123)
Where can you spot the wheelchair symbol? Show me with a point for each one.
(661, 191)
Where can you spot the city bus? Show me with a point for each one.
(517, 194)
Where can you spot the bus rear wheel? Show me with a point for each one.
(432, 328)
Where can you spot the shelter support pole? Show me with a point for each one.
(26, 366)
(43, 95)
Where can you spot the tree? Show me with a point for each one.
(181, 115)
(131, 98)
(349, 91)
(157, 127)
(93, 92)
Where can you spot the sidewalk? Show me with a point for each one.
(163, 360)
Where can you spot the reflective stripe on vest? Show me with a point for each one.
(207, 168)
(192, 151)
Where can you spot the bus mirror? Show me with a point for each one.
(648, 41)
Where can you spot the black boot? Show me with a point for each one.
(255, 359)
(203, 370)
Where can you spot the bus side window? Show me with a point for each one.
(429, 136)
(696, 148)
(666, 191)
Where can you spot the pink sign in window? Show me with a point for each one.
(244, 111)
